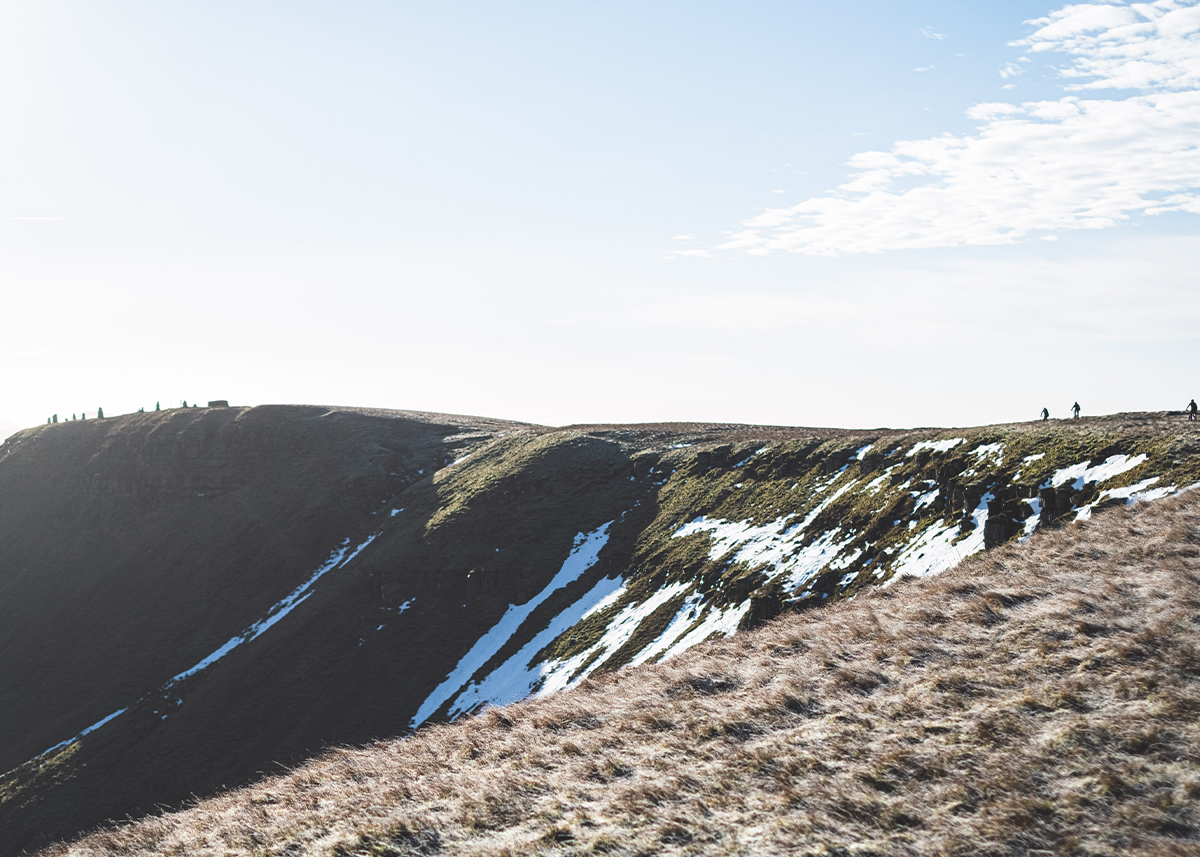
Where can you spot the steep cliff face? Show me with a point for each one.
(191, 597)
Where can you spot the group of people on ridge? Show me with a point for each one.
(1190, 410)
(1074, 412)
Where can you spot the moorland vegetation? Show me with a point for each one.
(1039, 698)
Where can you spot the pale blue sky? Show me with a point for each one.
(568, 212)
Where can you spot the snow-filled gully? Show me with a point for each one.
(582, 557)
(340, 557)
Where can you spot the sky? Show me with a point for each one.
(867, 214)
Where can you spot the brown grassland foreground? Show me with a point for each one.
(1039, 698)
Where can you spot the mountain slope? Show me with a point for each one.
(190, 598)
(1042, 698)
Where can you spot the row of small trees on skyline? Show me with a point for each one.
(53, 418)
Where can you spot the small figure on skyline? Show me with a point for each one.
(100, 414)
(1075, 411)
(1045, 414)
(156, 406)
(1191, 411)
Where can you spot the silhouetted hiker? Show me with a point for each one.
(1075, 411)
(100, 414)
(1045, 414)
(156, 407)
(1191, 411)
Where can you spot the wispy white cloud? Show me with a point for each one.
(1080, 162)
(928, 33)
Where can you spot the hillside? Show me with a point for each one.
(1042, 698)
(191, 598)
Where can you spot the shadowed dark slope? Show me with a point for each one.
(133, 548)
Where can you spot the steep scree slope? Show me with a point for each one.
(189, 598)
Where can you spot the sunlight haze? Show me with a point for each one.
(927, 213)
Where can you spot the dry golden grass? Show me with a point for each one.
(1038, 699)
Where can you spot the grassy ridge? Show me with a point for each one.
(1042, 696)
(219, 513)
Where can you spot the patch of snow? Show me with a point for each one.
(752, 456)
(519, 676)
(88, 731)
(846, 560)
(935, 445)
(876, 483)
(847, 579)
(582, 557)
(1130, 494)
(337, 559)
(687, 615)
(1033, 520)
(776, 544)
(1029, 459)
(862, 451)
(925, 499)
(1133, 493)
(1155, 494)
(1081, 473)
(716, 622)
(807, 562)
(934, 550)
(563, 674)
(395, 512)
(993, 451)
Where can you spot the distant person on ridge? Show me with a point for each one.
(1045, 414)
(1191, 411)
(1075, 411)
